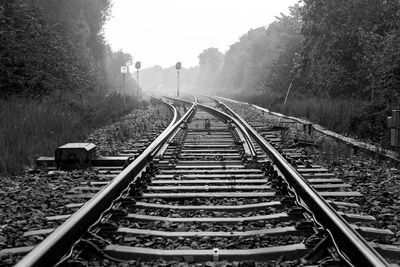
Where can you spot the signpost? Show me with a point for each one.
(138, 65)
(124, 70)
(178, 66)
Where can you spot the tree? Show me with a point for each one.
(262, 60)
(54, 46)
(210, 64)
(240, 58)
(346, 44)
(282, 72)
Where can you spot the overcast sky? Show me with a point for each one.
(162, 32)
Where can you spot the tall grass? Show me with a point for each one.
(32, 128)
(346, 116)
(334, 114)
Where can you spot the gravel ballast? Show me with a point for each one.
(377, 178)
(28, 198)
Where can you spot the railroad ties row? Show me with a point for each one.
(337, 193)
(100, 172)
(204, 200)
(203, 197)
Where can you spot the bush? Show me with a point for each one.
(370, 123)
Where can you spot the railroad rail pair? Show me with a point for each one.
(353, 248)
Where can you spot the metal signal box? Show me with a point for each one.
(394, 137)
(389, 122)
(396, 119)
(75, 155)
(393, 123)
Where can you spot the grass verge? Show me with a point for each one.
(31, 128)
(351, 117)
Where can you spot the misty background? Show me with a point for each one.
(337, 63)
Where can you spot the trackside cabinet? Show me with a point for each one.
(75, 155)
(393, 124)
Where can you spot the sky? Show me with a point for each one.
(162, 32)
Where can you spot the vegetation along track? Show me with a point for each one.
(213, 194)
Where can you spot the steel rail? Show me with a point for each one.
(226, 117)
(57, 244)
(356, 248)
(238, 124)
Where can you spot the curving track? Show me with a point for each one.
(217, 194)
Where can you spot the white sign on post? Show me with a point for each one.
(124, 69)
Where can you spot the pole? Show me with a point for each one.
(178, 84)
(287, 94)
(137, 84)
(123, 88)
(123, 82)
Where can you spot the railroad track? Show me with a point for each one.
(213, 194)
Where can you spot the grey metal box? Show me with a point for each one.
(396, 119)
(395, 137)
(75, 155)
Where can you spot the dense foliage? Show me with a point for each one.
(58, 77)
(55, 45)
(351, 48)
(345, 48)
(328, 52)
(210, 64)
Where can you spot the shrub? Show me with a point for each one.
(370, 123)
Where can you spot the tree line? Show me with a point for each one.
(56, 46)
(344, 50)
(59, 79)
